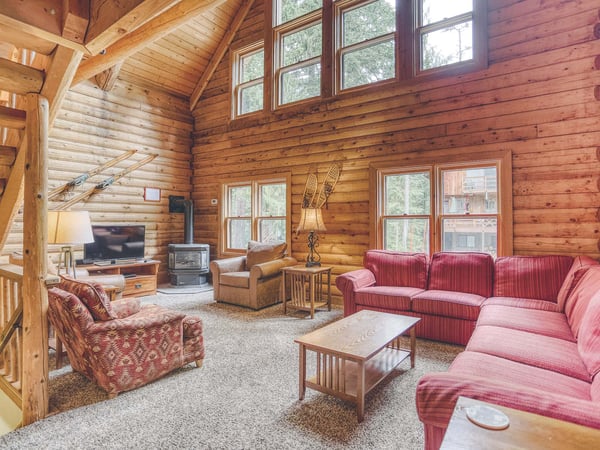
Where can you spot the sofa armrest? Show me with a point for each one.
(126, 307)
(270, 268)
(437, 394)
(349, 282)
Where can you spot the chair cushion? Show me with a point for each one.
(397, 268)
(235, 279)
(92, 295)
(449, 304)
(387, 297)
(472, 273)
(573, 277)
(530, 303)
(539, 277)
(260, 252)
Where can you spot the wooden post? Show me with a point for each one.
(35, 238)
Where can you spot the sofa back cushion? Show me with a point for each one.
(472, 273)
(588, 342)
(580, 297)
(92, 295)
(261, 252)
(397, 268)
(537, 277)
(578, 268)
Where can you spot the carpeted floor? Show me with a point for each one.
(244, 397)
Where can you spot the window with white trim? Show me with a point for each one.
(255, 210)
(297, 50)
(248, 79)
(444, 207)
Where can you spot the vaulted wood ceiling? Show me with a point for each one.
(167, 44)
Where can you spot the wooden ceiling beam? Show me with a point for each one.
(20, 79)
(220, 52)
(137, 40)
(75, 19)
(20, 39)
(112, 19)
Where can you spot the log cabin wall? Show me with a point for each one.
(94, 126)
(538, 98)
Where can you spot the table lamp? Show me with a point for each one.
(311, 220)
(69, 228)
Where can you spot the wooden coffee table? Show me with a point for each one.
(354, 354)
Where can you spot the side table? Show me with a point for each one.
(307, 288)
(525, 431)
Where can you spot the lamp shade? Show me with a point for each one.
(69, 227)
(311, 219)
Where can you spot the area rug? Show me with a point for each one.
(178, 290)
(244, 397)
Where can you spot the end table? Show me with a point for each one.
(307, 288)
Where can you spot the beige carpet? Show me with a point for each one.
(244, 397)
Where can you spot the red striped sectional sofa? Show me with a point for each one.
(532, 344)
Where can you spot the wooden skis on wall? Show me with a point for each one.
(104, 184)
(78, 181)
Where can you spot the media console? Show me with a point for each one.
(140, 276)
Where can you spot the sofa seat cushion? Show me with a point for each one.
(530, 303)
(539, 277)
(536, 350)
(397, 268)
(469, 272)
(546, 323)
(517, 375)
(448, 303)
(388, 297)
(235, 279)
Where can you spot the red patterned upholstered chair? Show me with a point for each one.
(121, 345)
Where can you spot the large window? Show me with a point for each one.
(255, 210)
(444, 207)
(248, 79)
(366, 42)
(297, 50)
(326, 47)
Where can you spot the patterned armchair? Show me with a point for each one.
(121, 345)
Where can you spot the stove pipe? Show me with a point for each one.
(188, 221)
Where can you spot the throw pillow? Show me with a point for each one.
(260, 252)
(92, 295)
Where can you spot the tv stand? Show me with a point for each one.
(140, 276)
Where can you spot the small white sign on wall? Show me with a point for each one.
(152, 194)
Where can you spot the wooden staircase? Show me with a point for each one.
(33, 88)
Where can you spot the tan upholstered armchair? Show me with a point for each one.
(253, 280)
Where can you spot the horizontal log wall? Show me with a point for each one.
(538, 98)
(94, 126)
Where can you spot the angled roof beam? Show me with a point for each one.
(220, 52)
(111, 19)
(149, 32)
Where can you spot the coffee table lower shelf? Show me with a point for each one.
(340, 377)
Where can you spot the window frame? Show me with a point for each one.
(503, 161)
(255, 183)
(237, 85)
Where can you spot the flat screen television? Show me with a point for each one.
(115, 242)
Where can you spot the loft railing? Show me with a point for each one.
(11, 332)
